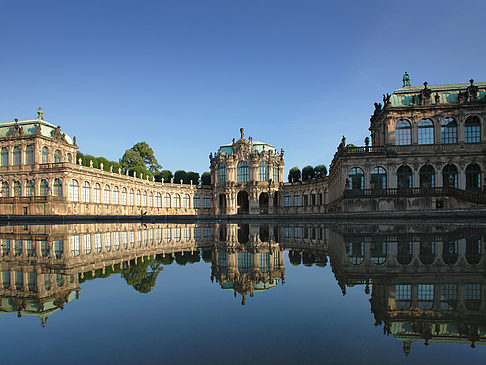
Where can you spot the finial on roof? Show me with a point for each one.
(471, 81)
(40, 114)
(242, 132)
(425, 84)
(406, 80)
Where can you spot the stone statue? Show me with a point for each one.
(242, 132)
(472, 91)
(74, 141)
(40, 114)
(437, 98)
(406, 80)
(37, 129)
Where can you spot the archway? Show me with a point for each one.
(222, 203)
(243, 202)
(263, 203)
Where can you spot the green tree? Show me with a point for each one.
(308, 173)
(180, 175)
(148, 156)
(193, 176)
(294, 174)
(206, 178)
(164, 174)
(105, 161)
(88, 158)
(131, 160)
(321, 171)
(115, 165)
(142, 275)
(79, 155)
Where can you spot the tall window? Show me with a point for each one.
(403, 133)
(17, 156)
(448, 130)
(45, 155)
(44, 188)
(296, 200)
(167, 199)
(124, 196)
(206, 201)
(473, 130)
(58, 187)
(378, 178)
(144, 199)
(449, 176)
(139, 198)
(177, 201)
(5, 190)
(287, 202)
(29, 155)
(473, 178)
(222, 172)
(4, 156)
(427, 176)
(97, 193)
(263, 171)
(106, 195)
(17, 188)
(115, 195)
(74, 191)
(151, 200)
(131, 196)
(69, 157)
(158, 200)
(29, 188)
(57, 156)
(197, 201)
(356, 179)
(404, 177)
(242, 173)
(86, 192)
(425, 132)
(275, 172)
(186, 201)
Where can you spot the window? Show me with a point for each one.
(449, 252)
(449, 176)
(151, 200)
(17, 188)
(29, 188)
(425, 132)
(242, 173)
(58, 188)
(473, 178)
(107, 241)
(74, 191)
(186, 201)
(326, 197)
(45, 155)
(427, 252)
(69, 157)
(197, 233)
(177, 234)
(97, 242)
(158, 200)
(206, 201)
(263, 171)
(378, 178)
(144, 199)
(355, 251)
(404, 177)
(275, 172)
(5, 189)
(222, 172)
(115, 195)
(403, 296)
(124, 196)
(296, 200)
(403, 133)
(44, 188)
(87, 243)
(167, 235)
(197, 201)
(425, 296)
(75, 245)
(473, 296)
(448, 296)
(356, 179)
(287, 200)
(106, 195)
(29, 155)
(59, 249)
(57, 156)
(86, 192)
(139, 199)
(4, 156)
(448, 130)
(131, 196)
(472, 130)
(17, 156)
(167, 199)
(116, 240)
(177, 201)
(187, 234)
(427, 176)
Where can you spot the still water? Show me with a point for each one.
(242, 293)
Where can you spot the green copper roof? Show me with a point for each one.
(29, 128)
(257, 147)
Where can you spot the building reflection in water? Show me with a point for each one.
(426, 283)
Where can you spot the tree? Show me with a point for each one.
(193, 176)
(308, 173)
(131, 159)
(148, 157)
(115, 165)
(206, 178)
(86, 161)
(180, 175)
(105, 161)
(164, 174)
(142, 275)
(294, 174)
(321, 171)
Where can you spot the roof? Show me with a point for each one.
(257, 146)
(29, 128)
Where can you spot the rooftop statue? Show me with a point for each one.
(406, 80)
(40, 114)
(242, 132)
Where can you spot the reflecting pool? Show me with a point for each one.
(243, 293)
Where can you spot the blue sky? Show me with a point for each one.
(184, 76)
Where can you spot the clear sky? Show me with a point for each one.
(184, 76)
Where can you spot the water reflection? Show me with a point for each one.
(426, 283)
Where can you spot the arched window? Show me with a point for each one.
(206, 201)
(197, 201)
(242, 173)
(427, 176)
(124, 196)
(69, 157)
(473, 130)
(106, 195)
(4, 156)
(74, 191)
(403, 132)
(97, 193)
(378, 252)
(29, 188)
(473, 178)
(17, 156)
(167, 199)
(356, 179)
(404, 252)
(425, 132)
(86, 192)
(427, 252)
(151, 200)
(158, 200)
(45, 155)
(378, 178)
(296, 200)
(131, 196)
(450, 177)
(5, 190)
(222, 172)
(275, 172)
(404, 177)
(115, 195)
(355, 251)
(263, 171)
(17, 188)
(58, 187)
(44, 188)
(448, 130)
(177, 201)
(449, 252)
(138, 198)
(186, 201)
(144, 199)
(287, 202)
(57, 156)
(305, 200)
(29, 155)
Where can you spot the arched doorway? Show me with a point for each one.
(263, 203)
(222, 203)
(243, 202)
